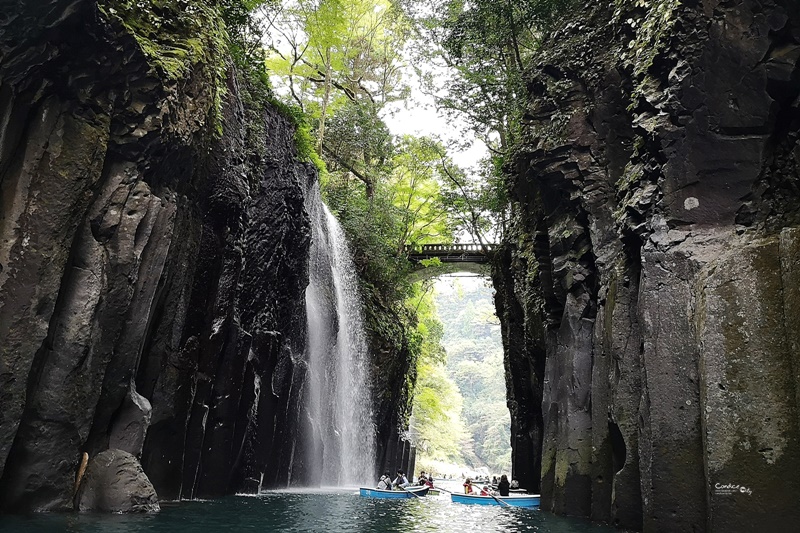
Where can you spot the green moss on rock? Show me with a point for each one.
(180, 38)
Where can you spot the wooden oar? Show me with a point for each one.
(408, 491)
(490, 494)
(498, 500)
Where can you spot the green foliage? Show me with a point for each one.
(357, 135)
(401, 205)
(173, 42)
(459, 413)
(415, 184)
(178, 37)
(303, 137)
(191, 37)
(436, 423)
(475, 362)
(487, 45)
(477, 202)
(340, 63)
(243, 21)
(327, 53)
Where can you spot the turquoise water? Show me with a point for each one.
(308, 511)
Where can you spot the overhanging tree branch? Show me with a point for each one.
(368, 181)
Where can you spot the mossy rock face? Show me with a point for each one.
(132, 249)
(181, 41)
(748, 382)
(657, 183)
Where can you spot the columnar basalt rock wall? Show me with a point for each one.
(393, 376)
(648, 288)
(145, 257)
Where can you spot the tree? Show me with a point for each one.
(360, 144)
(243, 22)
(485, 46)
(328, 52)
(475, 363)
(415, 184)
(436, 423)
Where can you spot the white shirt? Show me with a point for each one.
(401, 480)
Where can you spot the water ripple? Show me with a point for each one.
(309, 511)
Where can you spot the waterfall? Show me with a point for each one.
(338, 399)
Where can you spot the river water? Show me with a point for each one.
(317, 510)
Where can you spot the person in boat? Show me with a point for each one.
(385, 482)
(401, 480)
(468, 487)
(485, 491)
(514, 484)
(503, 485)
(424, 480)
(494, 481)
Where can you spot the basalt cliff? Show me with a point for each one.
(153, 258)
(649, 288)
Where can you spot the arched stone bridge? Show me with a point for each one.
(452, 253)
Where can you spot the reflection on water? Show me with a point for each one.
(330, 510)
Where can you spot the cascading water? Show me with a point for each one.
(339, 401)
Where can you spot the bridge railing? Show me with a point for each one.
(445, 249)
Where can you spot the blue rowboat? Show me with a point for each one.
(410, 492)
(529, 500)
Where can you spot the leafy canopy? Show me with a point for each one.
(326, 53)
(487, 45)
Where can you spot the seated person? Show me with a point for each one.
(485, 491)
(468, 487)
(386, 482)
(401, 480)
(503, 485)
(425, 480)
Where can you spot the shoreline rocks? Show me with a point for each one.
(114, 482)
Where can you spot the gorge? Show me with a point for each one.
(176, 298)
(153, 268)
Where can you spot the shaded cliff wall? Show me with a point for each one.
(394, 373)
(153, 240)
(648, 288)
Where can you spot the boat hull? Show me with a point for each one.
(411, 492)
(530, 501)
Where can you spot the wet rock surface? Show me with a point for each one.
(114, 482)
(130, 424)
(150, 241)
(647, 288)
(393, 376)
